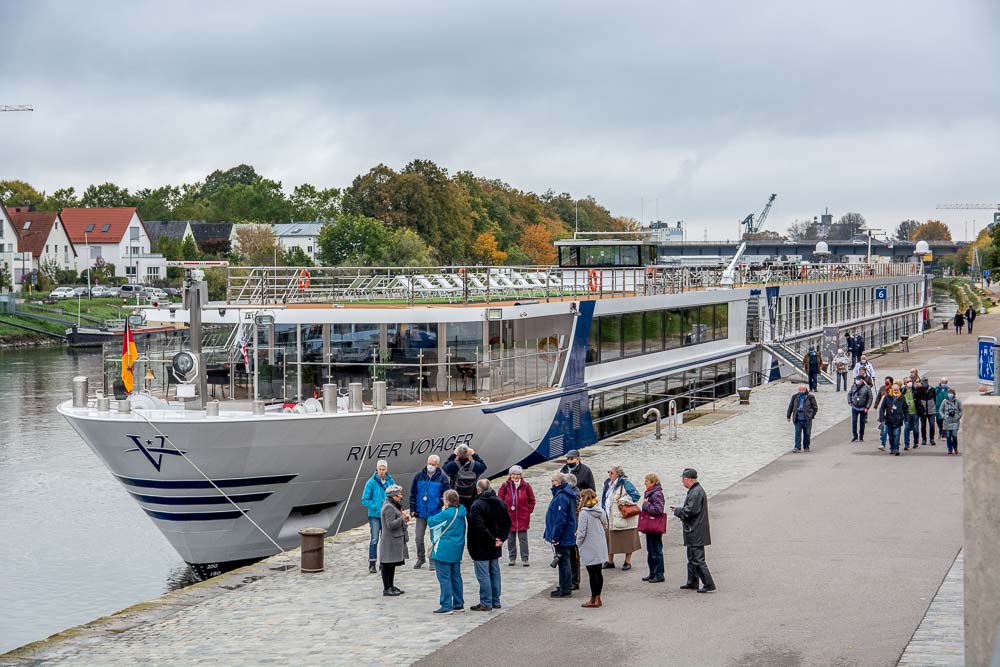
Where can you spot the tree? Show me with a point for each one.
(4, 277)
(158, 203)
(62, 198)
(50, 268)
(486, 251)
(536, 242)
(257, 244)
(308, 203)
(764, 235)
(932, 230)
(189, 249)
(845, 228)
(106, 195)
(20, 193)
(353, 240)
(296, 256)
(408, 249)
(905, 230)
(803, 230)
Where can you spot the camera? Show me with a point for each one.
(951, 413)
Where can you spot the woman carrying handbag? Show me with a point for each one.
(653, 524)
(447, 545)
(618, 500)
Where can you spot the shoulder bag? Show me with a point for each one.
(438, 531)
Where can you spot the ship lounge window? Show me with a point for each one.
(632, 334)
(611, 337)
(569, 256)
(652, 331)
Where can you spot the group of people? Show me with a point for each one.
(462, 512)
(966, 319)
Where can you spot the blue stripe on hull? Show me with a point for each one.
(200, 500)
(193, 516)
(204, 483)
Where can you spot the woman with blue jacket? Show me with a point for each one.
(447, 545)
(623, 534)
(373, 498)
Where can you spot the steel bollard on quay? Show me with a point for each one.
(312, 549)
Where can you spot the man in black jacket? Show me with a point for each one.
(697, 533)
(489, 526)
(464, 468)
(803, 408)
(584, 475)
(860, 399)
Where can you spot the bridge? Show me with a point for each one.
(840, 251)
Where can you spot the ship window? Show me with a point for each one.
(699, 325)
(629, 256)
(611, 338)
(594, 343)
(463, 339)
(632, 334)
(652, 329)
(569, 256)
(721, 321)
(675, 328)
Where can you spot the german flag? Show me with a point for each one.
(129, 356)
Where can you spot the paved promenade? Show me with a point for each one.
(830, 557)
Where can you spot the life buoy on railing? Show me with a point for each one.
(804, 272)
(548, 348)
(461, 271)
(650, 272)
(304, 279)
(592, 280)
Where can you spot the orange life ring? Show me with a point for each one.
(592, 280)
(304, 279)
(548, 348)
(461, 271)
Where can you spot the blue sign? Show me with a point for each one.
(881, 293)
(986, 273)
(987, 359)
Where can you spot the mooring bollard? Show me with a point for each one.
(312, 549)
(744, 393)
(80, 391)
(655, 412)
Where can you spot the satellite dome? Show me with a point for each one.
(923, 247)
(822, 248)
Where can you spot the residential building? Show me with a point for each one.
(302, 235)
(117, 236)
(178, 230)
(43, 235)
(213, 238)
(8, 248)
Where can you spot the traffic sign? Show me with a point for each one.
(986, 273)
(881, 293)
(987, 358)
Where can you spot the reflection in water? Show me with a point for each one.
(74, 545)
(180, 577)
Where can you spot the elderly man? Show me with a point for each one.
(560, 531)
(803, 408)
(584, 475)
(464, 468)
(425, 501)
(867, 366)
(489, 525)
(373, 497)
(697, 532)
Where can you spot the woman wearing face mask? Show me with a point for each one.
(893, 414)
(951, 416)
(883, 393)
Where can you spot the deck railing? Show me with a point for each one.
(488, 284)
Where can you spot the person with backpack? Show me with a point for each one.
(851, 349)
(841, 362)
(373, 498)
(447, 529)
(926, 409)
(463, 469)
(810, 364)
(425, 501)
(860, 400)
(940, 393)
(859, 348)
(519, 498)
(489, 526)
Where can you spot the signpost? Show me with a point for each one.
(987, 362)
(881, 293)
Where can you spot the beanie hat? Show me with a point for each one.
(515, 470)
(689, 473)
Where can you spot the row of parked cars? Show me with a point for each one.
(123, 291)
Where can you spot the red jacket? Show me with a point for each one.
(520, 504)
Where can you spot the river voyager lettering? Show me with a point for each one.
(424, 446)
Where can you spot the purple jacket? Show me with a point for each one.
(652, 519)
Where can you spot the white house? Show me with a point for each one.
(119, 237)
(303, 235)
(8, 244)
(44, 236)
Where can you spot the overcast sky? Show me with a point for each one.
(698, 109)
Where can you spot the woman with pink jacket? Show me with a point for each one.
(519, 498)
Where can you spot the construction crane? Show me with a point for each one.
(973, 207)
(754, 224)
(17, 107)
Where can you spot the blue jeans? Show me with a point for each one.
(450, 580)
(654, 554)
(842, 380)
(893, 437)
(802, 432)
(951, 437)
(375, 526)
(565, 556)
(883, 431)
(911, 425)
(488, 575)
(858, 420)
(813, 378)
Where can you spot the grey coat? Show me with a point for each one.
(392, 545)
(591, 531)
(949, 406)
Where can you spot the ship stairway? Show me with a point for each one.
(793, 360)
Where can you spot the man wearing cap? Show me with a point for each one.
(574, 466)
(519, 498)
(697, 534)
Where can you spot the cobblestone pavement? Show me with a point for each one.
(266, 613)
(940, 639)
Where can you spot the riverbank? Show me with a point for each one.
(271, 612)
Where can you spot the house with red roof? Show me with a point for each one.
(119, 237)
(43, 235)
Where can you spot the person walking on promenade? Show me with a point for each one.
(841, 362)
(392, 551)
(940, 393)
(623, 536)
(489, 526)
(959, 320)
(574, 466)
(560, 531)
(912, 423)
(866, 366)
(464, 468)
(373, 498)
(859, 349)
(951, 417)
(883, 392)
(592, 543)
(653, 524)
(927, 409)
(803, 408)
(519, 498)
(893, 414)
(851, 349)
(697, 533)
(970, 318)
(810, 364)
(426, 494)
(860, 400)
(447, 544)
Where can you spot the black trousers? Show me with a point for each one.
(596, 579)
(697, 569)
(926, 426)
(575, 567)
(388, 576)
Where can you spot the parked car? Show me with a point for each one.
(156, 293)
(100, 291)
(81, 291)
(112, 290)
(130, 290)
(62, 293)
(172, 291)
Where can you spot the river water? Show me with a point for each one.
(73, 545)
